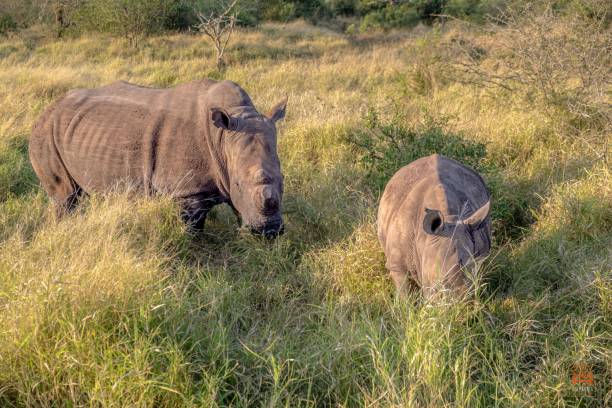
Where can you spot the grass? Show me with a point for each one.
(119, 305)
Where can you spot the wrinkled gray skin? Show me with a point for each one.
(203, 143)
(433, 224)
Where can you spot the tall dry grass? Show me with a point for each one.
(118, 305)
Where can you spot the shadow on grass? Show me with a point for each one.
(237, 254)
(569, 243)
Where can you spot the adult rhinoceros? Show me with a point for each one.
(433, 223)
(203, 143)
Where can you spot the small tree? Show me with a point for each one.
(218, 25)
(135, 19)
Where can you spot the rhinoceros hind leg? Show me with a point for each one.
(59, 185)
(50, 169)
(70, 201)
(65, 196)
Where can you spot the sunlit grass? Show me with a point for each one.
(119, 305)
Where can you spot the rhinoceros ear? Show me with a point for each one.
(476, 219)
(278, 111)
(433, 222)
(221, 119)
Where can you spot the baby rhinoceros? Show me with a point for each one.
(203, 143)
(433, 224)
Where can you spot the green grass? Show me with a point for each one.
(118, 305)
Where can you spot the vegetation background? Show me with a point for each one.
(118, 305)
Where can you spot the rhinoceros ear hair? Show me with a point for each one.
(278, 111)
(476, 219)
(221, 119)
(433, 222)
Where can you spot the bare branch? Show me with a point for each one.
(218, 27)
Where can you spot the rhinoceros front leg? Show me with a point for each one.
(194, 210)
(396, 264)
(236, 213)
(401, 280)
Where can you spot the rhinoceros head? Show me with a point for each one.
(255, 180)
(449, 249)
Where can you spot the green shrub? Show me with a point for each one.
(387, 146)
(428, 9)
(16, 14)
(342, 7)
(248, 12)
(280, 10)
(389, 17)
(131, 19)
(180, 17)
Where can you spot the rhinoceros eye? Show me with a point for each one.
(261, 180)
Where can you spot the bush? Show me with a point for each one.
(280, 10)
(180, 17)
(397, 14)
(248, 12)
(389, 17)
(130, 19)
(22, 14)
(342, 7)
(385, 147)
(428, 9)
(18, 13)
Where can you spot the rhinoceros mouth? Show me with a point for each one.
(270, 229)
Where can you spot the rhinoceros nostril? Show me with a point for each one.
(270, 203)
(269, 200)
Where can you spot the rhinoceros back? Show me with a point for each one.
(122, 133)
